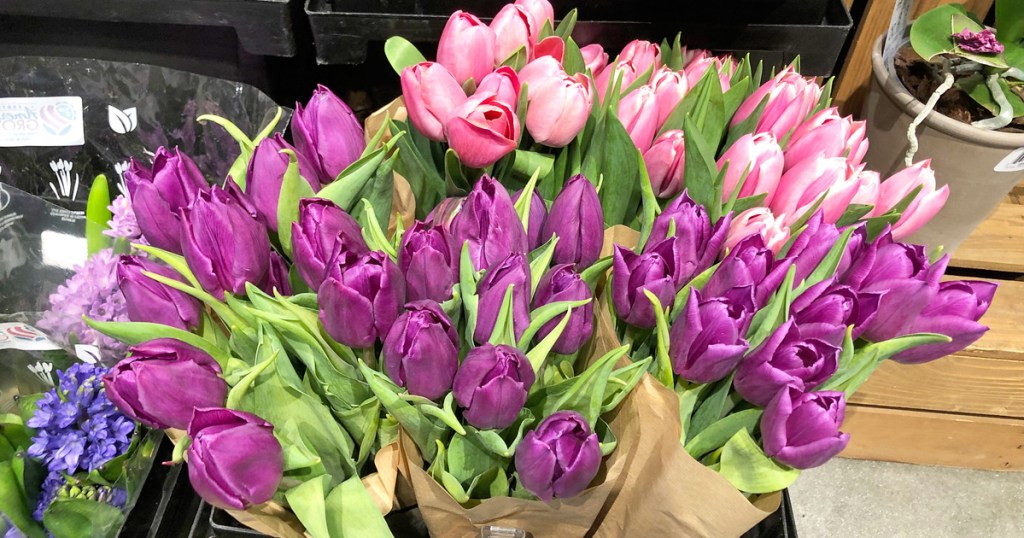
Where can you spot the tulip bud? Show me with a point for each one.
(328, 133)
(826, 306)
(150, 301)
(653, 270)
(234, 460)
(868, 187)
(488, 221)
(790, 357)
(158, 194)
(559, 284)
(926, 205)
(277, 277)
(467, 47)
(791, 97)
(360, 298)
(558, 108)
(538, 216)
(514, 270)
(514, 28)
(163, 381)
(642, 54)
(266, 174)
(492, 385)
(669, 88)
(431, 94)
(321, 230)
(504, 83)
(425, 258)
(483, 130)
(760, 221)
(540, 11)
(759, 158)
(539, 72)
(559, 458)
(696, 242)
(595, 58)
(638, 112)
(829, 134)
(749, 264)
(801, 429)
(812, 245)
(701, 62)
(707, 343)
(805, 183)
(444, 212)
(421, 351)
(665, 162)
(954, 312)
(576, 218)
(223, 244)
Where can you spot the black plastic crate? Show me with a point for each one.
(772, 30)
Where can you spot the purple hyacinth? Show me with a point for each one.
(122, 223)
(47, 493)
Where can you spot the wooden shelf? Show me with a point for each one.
(997, 245)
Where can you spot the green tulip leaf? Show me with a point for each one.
(828, 265)
(774, 314)
(718, 433)
(572, 59)
(712, 409)
(352, 512)
(540, 260)
(423, 431)
(689, 394)
(566, 25)
(82, 518)
(134, 332)
(504, 332)
(467, 287)
(583, 394)
(663, 365)
(746, 467)
(469, 458)
(293, 188)
(13, 503)
(307, 501)
(97, 215)
(541, 316)
(525, 201)
(622, 382)
(401, 53)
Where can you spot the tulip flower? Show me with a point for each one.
(266, 174)
(223, 244)
(158, 194)
(696, 242)
(627, 72)
(577, 219)
(801, 429)
(665, 162)
(234, 460)
(706, 342)
(562, 283)
(829, 134)
(426, 259)
(421, 351)
(538, 216)
(444, 212)
(595, 58)
(150, 301)
(360, 298)
(669, 88)
(467, 47)
(749, 264)
(514, 271)
(925, 205)
(277, 276)
(703, 61)
(791, 97)
(638, 112)
(488, 221)
(954, 311)
(492, 384)
(514, 28)
(812, 245)
(327, 133)
(828, 305)
(760, 221)
(802, 186)
(163, 381)
(653, 270)
(757, 158)
(558, 458)
(320, 231)
(792, 356)
(504, 83)
(431, 95)
(483, 130)
(558, 108)
(642, 54)
(540, 10)
(540, 71)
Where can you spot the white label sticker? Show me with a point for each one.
(25, 337)
(1014, 162)
(41, 121)
(87, 353)
(897, 28)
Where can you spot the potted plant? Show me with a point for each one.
(953, 96)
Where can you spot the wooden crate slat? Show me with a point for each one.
(997, 244)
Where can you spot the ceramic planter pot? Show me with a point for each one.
(964, 157)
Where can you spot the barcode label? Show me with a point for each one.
(1014, 162)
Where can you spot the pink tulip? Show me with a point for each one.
(761, 221)
(829, 133)
(431, 94)
(466, 47)
(552, 46)
(638, 112)
(483, 130)
(699, 65)
(558, 108)
(503, 82)
(627, 71)
(791, 98)
(514, 28)
(642, 54)
(540, 71)
(868, 188)
(669, 87)
(540, 10)
(760, 158)
(803, 184)
(595, 57)
(925, 206)
(665, 163)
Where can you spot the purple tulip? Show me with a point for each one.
(653, 270)
(163, 381)
(576, 218)
(492, 385)
(790, 357)
(538, 216)
(801, 429)
(514, 270)
(223, 244)
(421, 351)
(828, 306)
(277, 277)
(562, 283)
(954, 312)
(322, 230)
(150, 301)
(160, 193)
(266, 175)
(812, 245)
(488, 221)
(749, 263)
(696, 241)
(428, 263)
(361, 298)
(328, 133)
(234, 460)
(444, 212)
(559, 458)
(706, 342)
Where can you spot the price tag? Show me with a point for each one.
(1014, 162)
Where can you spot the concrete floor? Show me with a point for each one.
(853, 499)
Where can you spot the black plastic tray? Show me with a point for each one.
(343, 29)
